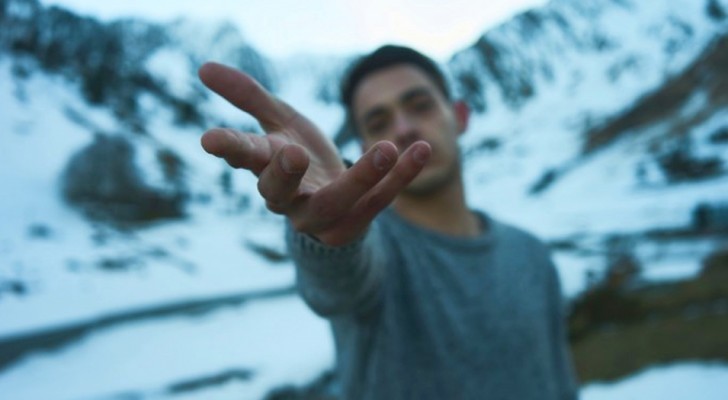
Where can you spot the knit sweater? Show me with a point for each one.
(421, 315)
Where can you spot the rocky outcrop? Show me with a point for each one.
(104, 182)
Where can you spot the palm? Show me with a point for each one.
(325, 165)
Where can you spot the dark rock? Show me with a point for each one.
(322, 388)
(680, 165)
(14, 287)
(103, 181)
(544, 182)
(207, 382)
(711, 217)
(719, 136)
(40, 231)
(715, 11)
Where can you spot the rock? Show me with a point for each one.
(103, 181)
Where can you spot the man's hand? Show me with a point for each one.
(300, 173)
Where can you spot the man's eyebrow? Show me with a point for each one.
(415, 92)
(405, 97)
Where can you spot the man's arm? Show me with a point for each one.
(300, 172)
(340, 280)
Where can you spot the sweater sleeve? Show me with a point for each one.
(335, 281)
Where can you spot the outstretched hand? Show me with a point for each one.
(300, 173)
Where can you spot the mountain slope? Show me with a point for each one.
(549, 81)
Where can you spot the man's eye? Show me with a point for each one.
(422, 106)
(377, 126)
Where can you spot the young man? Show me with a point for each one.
(427, 299)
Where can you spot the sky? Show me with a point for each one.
(281, 28)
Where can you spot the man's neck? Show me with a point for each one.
(445, 211)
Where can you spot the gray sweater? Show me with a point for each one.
(419, 315)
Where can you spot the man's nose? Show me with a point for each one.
(404, 126)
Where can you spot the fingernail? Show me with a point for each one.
(420, 155)
(381, 161)
(286, 165)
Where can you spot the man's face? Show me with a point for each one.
(402, 104)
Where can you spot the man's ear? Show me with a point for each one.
(462, 115)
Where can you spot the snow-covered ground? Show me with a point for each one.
(680, 381)
(279, 341)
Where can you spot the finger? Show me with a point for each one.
(355, 222)
(240, 150)
(337, 198)
(279, 181)
(408, 167)
(247, 94)
(383, 194)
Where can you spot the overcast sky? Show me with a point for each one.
(284, 27)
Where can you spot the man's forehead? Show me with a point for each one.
(388, 85)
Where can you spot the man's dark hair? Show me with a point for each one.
(385, 57)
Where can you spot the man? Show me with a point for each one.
(427, 299)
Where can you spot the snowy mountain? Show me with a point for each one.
(596, 122)
(554, 79)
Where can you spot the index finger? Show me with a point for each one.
(247, 94)
(241, 150)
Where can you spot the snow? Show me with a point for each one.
(278, 341)
(551, 120)
(689, 380)
(175, 68)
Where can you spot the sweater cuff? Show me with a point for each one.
(302, 244)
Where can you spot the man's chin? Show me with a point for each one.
(425, 184)
(433, 179)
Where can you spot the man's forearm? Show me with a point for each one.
(338, 280)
